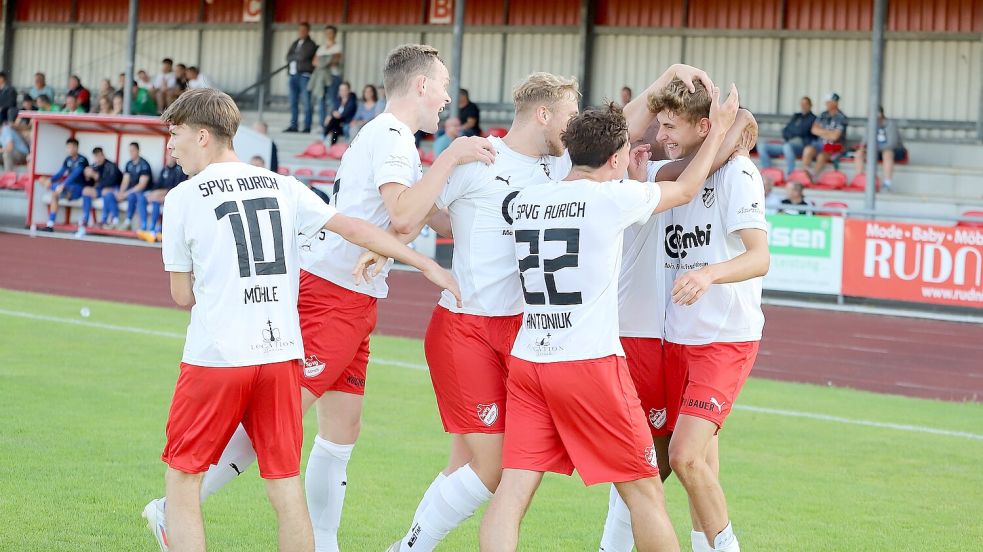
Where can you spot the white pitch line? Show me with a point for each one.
(417, 366)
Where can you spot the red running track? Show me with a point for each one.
(906, 356)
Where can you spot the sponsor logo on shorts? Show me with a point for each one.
(709, 406)
(650, 457)
(357, 382)
(709, 197)
(488, 413)
(657, 417)
(719, 405)
(312, 366)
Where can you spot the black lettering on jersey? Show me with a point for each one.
(678, 241)
(574, 209)
(260, 294)
(214, 186)
(505, 180)
(505, 206)
(396, 130)
(548, 321)
(526, 211)
(257, 182)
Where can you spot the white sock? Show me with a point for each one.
(617, 535)
(726, 540)
(325, 482)
(428, 496)
(237, 456)
(699, 541)
(455, 500)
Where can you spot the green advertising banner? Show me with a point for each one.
(806, 253)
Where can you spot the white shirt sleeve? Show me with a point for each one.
(312, 212)
(396, 161)
(463, 179)
(652, 172)
(634, 201)
(176, 251)
(745, 198)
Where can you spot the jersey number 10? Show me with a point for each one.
(252, 206)
(569, 260)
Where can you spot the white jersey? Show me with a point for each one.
(477, 197)
(704, 231)
(568, 239)
(644, 286)
(383, 151)
(235, 226)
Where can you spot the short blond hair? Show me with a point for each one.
(206, 108)
(544, 89)
(406, 62)
(678, 100)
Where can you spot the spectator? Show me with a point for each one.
(625, 95)
(796, 135)
(80, 93)
(67, 182)
(197, 79)
(165, 88)
(170, 176)
(41, 87)
(106, 90)
(452, 129)
(102, 178)
(142, 102)
(121, 81)
(72, 105)
(889, 147)
(830, 132)
(300, 65)
(367, 110)
(470, 115)
(773, 200)
(344, 111)
(8, 99)
(382, 99)
(44, 104)
(143, 80)
(22, 124)
(118, 103)
(137, 177)
(794, 197)
(257, 161)
(105, 106)
(326, 78)
(181, 77)
(15, 149)
(262, 128)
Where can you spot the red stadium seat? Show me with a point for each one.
(497, 132)
(327, 172)
(830, 180)
(801, 177)
(337, 151)
(325, 176)
(304, 171)
(8, 180)
(859, 183)
(969, 223)
(285, 171)
(777, 176)
(833, 205)
(426, 157)
(23, 182)
(316, 150)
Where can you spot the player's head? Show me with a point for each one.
(684, 117)
(257, 161)
(548, 101)
(597, 141)
(72, 146)
(805, 104)
(202, 123)
(98, 156)
(414, 73)
(134, 151)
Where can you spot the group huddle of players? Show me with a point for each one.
(602, 314)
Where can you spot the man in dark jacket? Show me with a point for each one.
(8, 99)
(300, 65)
(797, 133)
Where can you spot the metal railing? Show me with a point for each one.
(261, 96)
(896, 216)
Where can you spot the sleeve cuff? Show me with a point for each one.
(751, 224)
(177, 267)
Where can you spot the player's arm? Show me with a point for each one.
(408, 206)
(739, 140)
(369, 236)
(683, 190)
(182, 288)
(440, 221)
(637, 111)
(754, 262)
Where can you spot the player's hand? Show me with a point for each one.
(722, 115)
(689, 74)
(690, 286)
(467, 149)
(369, 265)
(638, 162)
(444, 280)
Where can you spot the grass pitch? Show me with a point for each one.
(83, 406)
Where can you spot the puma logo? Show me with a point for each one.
(396, 130)
(236, 468)
(720, 407)
(748, 174)
(505, 180)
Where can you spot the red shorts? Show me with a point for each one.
(468, 357)
(335, 324)
(654, 382)
(581, 414)
(715, 374)
(209, 403)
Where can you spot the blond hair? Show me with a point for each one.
(406, 62)
(678, 100)
(206, 108)
(543, 89)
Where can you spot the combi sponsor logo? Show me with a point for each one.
(800, 235)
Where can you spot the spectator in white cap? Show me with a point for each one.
(830, 132)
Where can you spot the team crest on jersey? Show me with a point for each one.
(312, 366)
(657, 417)
(650, 457)
(488, 413)
(709, 197)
